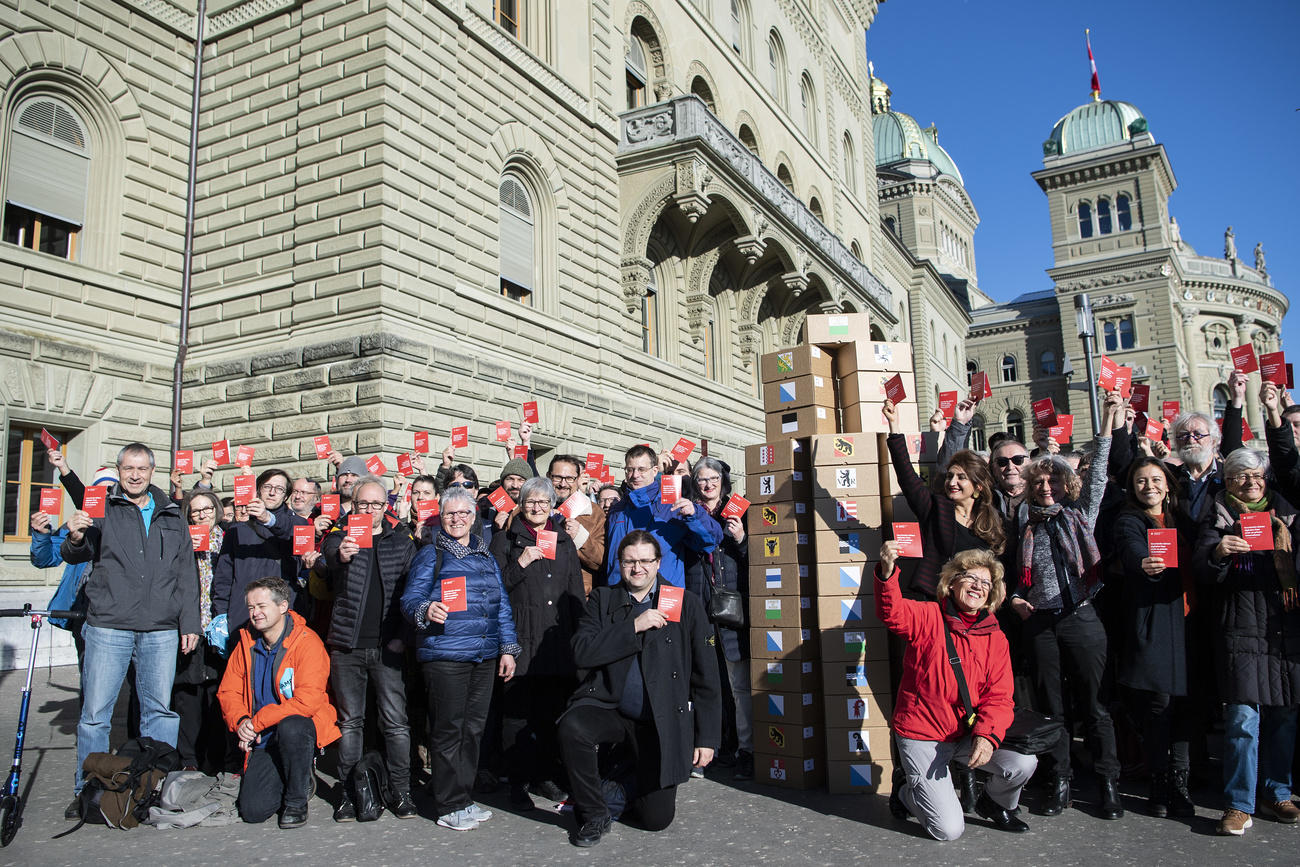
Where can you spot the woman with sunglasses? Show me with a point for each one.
(194, 692)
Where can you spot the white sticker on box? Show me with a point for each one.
(859, 742)
(884, 352)
(846, 477)
(821, 412)
(818, 382)
(766, 486)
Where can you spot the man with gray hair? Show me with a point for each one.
(143, 596)
(1200, 475)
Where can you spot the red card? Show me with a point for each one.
(49, 440)
(979, 386)
(453, 593)
(1164, 544)
(683, 449)
(908, 535)
(1246, 434)
(670, 602)
(520, 451)
(670, 489)
(183, 461)
(244, 456)
(501, 501)
(735, 507)
(1169, 410)
(304, 539)
(547, 540)
(1290, 376)
(221, 452)
(375, 466)
(201, 537)
(460, 437)
(947, 403)
(322, 444)
(1044, 413)
(244, 489)
(421, 443)
(1106, 376)
(50, 500)
(1124, 382)
(426, 509)
(1154, 430)
(95, 500)
(1243, 358)
(894, 389)
(329, 506)
(404, 466)
(1141, 400)
(530, 412)
(595, 460)
(361, 529)
(503, 431)
(606, 476)
(1272, 368)
(570, 506)
(1063, 429)
(1257, 529)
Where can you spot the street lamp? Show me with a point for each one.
(1083, 319)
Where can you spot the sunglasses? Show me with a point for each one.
(1018, 460)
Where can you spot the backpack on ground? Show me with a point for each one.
(370, 786)
(120, 787)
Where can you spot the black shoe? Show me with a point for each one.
(404, 807)
(519, 797)
(1058, 795)
(964, 782)
(897, 808)
(293, 817)
(73, 811)
(1180, 803)
(1158, 802)
(1111, 808)
(1001, 818)
(744, 766)
(345, 811)
(547, 790)
(591, 832)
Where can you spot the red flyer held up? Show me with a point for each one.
(736, 506)
(670, 602)
(979, 386)
(460, 437)
(329, 506)
(244, 487)
(670, 489)
(426, 509)
(48, 439)
(1063, 430)
(1106, 376)
(304, 539)
(1272, 368)
(547, 540)
(361, 529)
(1044, 412)
(421, 442)
(948, 403)
(244, 456)
(908, 535)
(322, 444)
(683, 449)
(1124, 382)
(1141, 400)
(520, 451)
(1257, 530)
(50, 500)
(1169, 410)
(1243, 358)
(531, 415)
(1154, 430)
(894, 389)
(375, 466)
(221, 452)
(453, 593)
(404, 465)
(501, 501)
(183, 461)
(503, 431)
(201, 537)
(94, 500)
(1163, 544)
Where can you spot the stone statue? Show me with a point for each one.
(1229, 245)
(1175, 233)
(1259, 259)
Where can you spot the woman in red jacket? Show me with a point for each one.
(931, 726)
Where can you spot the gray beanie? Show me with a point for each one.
(516, 467)
(353, 465)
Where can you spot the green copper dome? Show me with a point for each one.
(899, 137)
(1095, 125)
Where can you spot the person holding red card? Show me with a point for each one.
(459, 652)
(1256, 604)
(365, 642)
(1058, 571)
(546, 599)
(642, 670)
(1157, 595)
(586, 524)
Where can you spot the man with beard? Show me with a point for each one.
(1200, 474)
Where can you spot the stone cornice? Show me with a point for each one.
(1106, 166)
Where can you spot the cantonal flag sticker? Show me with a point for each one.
(859, 775)
(850, 609)
(776, 705)
(787, 392)
(850, 576)
(772, 609)
(775, 641)
(775, 673)
(774, 579)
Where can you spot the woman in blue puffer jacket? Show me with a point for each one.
(465, 631)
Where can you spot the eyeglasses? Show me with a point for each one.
(1248, 478)
(968, 578)
(1191, 436)
(368, 505)
(274, 489)
(638, 471)
(457, 516)
(636, 565)
(537, 504)
(469, 486)
(708, 480)
(555, 478)
(201, 510)
(1003, 462)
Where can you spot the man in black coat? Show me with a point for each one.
(646, 681)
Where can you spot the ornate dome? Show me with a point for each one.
(899, 137)
(1095, 125)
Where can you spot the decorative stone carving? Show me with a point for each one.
(636, 276)
(795, 281)
(650, 128)
(692, 178)
(697, 314)
(751, 338)
(751, 247)
(1099, 280)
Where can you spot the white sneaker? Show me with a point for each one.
(477, 813)
(460, 820)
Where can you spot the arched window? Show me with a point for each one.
(850, 165)
(747, 138)
(47, 179)
(776, 74)
(815, 205)
(1123, 213)
(875, 333)
(891, 226)
(1216, 338)
(1220, 400)
(1109, 340)
(1126, 338)
(650, 316)
(971, 369)
(808, 106)
(700, 88)
(978, 440)
(902, 321)
(740, 28)
(1085, 220)
(946, 359)
(855, 249)
(518, 240)
(1103, 216)
(1016, 425)
(1008, 368)
(1047, 363)
(783, 175)
(637, 72)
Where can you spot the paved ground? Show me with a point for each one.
(718, 823)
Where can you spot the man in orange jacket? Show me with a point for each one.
(273, 698)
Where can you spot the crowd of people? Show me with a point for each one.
(534, 629)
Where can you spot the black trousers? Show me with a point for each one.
(350, 672)
(1167, 724)
(279, 775)
(459, 693)
(531, 706)
(1072, 645)
(582, 730)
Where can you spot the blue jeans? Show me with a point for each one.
(1257, 739)
(108, 653)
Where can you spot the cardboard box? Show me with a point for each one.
(857, 743)
(859, 778)
(790, 739)
(781, 579)
(889, 477)
(777, 456)
(802, 422)
(859, 678)
(896, 508)
(788, 772)
(915, 446)
(767, 612)
(849, 611)
(857, 709)
(846, 579)
(809, 390)
(776, 517)
(792, 362)
(774, 675)
(845, 482)
(848, 546)
(780, 486)
(769, 548)
(867, 417)
(851, 645)
(869, 355)
(793, 708)
(834, 450)
(836, 328)
(847, 513)
(786, 644)
(868, 386)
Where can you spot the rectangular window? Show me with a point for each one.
(39, 232)
(515, 292)
(27, 472)
(506, 14)
(650, 322)
(710, 355)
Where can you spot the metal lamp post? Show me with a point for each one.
(1084, 320)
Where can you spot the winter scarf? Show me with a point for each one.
(1069, 534)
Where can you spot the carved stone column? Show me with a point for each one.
(1192, 351)
(1245, 329)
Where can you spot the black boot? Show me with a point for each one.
(1180, 803)
(964, 782)
(1111, 808)
(897, 808)
(1058, 795)
(1158, 802)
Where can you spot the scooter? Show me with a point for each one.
(11, 803)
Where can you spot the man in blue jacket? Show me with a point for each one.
(678, 527)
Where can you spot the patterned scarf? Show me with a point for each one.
(1068, 531)
(1283, 554)
(204, 559)
(456, 549)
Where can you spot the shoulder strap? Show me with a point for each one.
(963, 691)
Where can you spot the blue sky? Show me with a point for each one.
(1219, 84)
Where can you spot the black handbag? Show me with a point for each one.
(726, 607)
